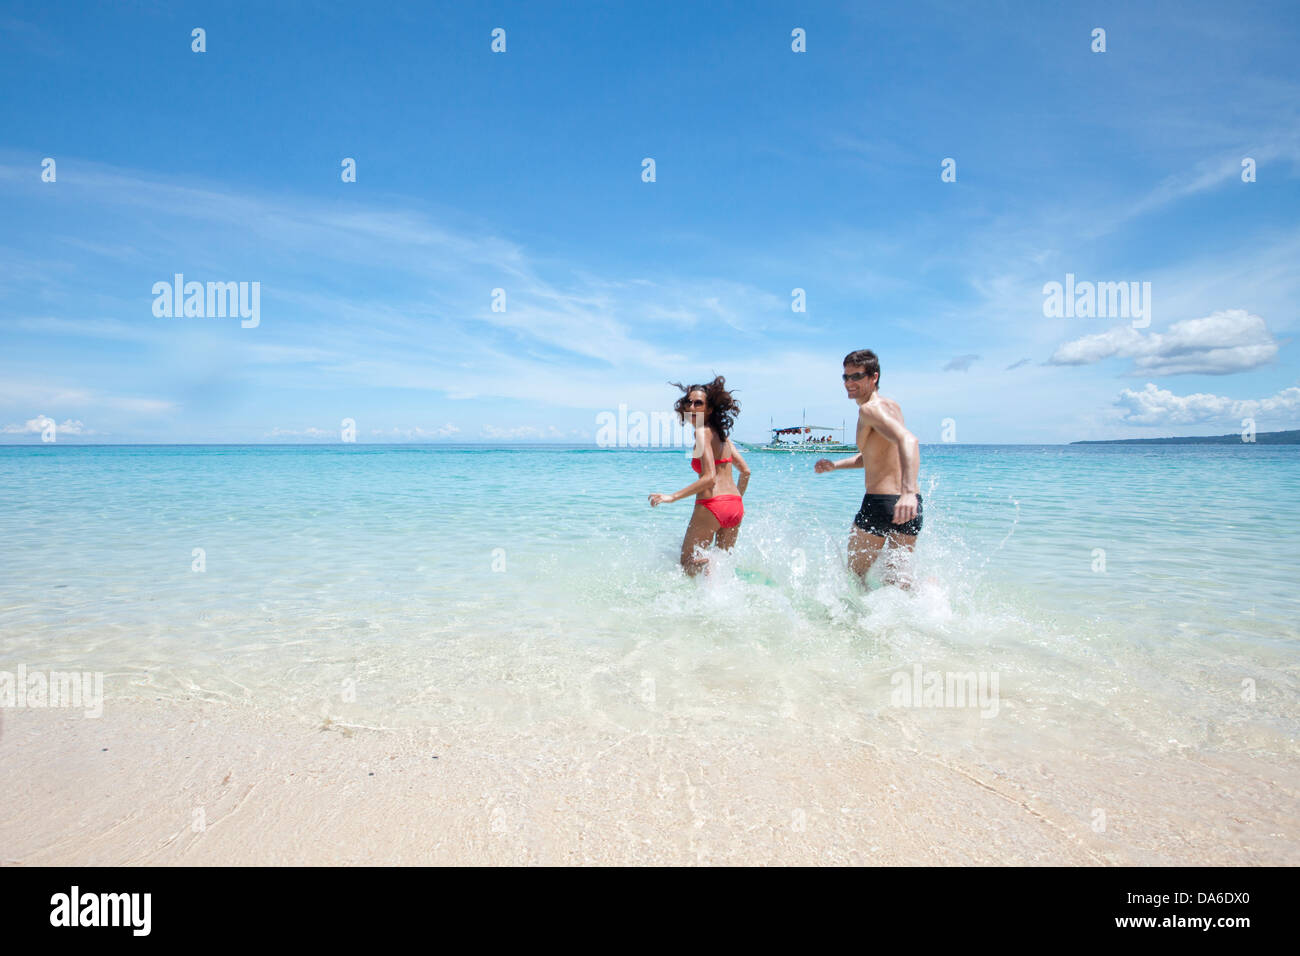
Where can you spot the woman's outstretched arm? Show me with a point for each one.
(708, 471)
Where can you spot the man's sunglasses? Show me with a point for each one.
(855, 377)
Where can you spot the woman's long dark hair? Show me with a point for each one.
(723, 409)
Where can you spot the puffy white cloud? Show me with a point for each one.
(34, 426)
(335, 434)
(529, 431)
(1158, 406)
(444, 431)
(1218, 344)
(303, 433)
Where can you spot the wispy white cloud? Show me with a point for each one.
(14, 392)
(34, 39)
(602, 320)
(960, 363)
(1204, 175)
(84, 328)
(573, 340)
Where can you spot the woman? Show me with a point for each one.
(718, 505)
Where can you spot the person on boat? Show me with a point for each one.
(719, 508)
(890, 457)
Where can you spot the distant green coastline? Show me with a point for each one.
(1261, 438)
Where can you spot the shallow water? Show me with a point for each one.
(398, 586)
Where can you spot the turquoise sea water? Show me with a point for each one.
(392, 586)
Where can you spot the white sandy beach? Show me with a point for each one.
(177, 782)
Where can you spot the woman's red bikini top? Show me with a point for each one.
(695, 463)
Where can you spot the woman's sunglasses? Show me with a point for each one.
(696, 402)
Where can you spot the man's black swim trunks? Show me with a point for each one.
(876, 516)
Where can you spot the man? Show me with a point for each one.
(889, 454)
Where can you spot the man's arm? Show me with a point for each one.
(825, 464)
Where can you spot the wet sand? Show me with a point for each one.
(191, 782)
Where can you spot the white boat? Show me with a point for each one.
(805, 438)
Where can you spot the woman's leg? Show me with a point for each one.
(699, 535)
(727, 537)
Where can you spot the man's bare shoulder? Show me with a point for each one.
(878, 408)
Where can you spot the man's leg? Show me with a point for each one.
(864, 548)
(699, 535)
(898, 560)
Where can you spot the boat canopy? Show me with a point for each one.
(802, 430)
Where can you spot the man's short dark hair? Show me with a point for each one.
(867, 359)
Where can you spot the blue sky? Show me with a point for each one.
(522, 171)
